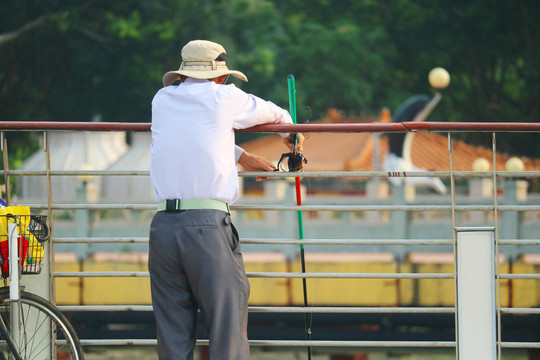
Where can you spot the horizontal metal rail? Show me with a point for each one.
(119, 342)
(519, 242)
(283, 309)
(350, 275)
(520, 311)
(304, 174)
(290, 343)
(129, 240)
(79, 173)
(427, 126)
(272, 275)
(105, 307)
(302, 343)
(142, 240)
(520, 345)
(520, 276)
(312, 309)
(83, 274)
(286, 275)
(102, 240)
(305, 207)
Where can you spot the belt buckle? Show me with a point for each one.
(172, 205)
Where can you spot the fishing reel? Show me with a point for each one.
(295, 161)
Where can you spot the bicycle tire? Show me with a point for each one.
(33, 340)
(9, 343)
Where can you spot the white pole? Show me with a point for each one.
(476, 316)
(13, 262)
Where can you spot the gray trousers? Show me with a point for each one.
(195, 263)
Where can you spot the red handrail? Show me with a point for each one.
(288, 128)
(477, 126)
(77, 126)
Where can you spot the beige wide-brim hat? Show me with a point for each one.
(202, 59)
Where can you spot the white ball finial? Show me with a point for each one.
(515, 164)
(481, 164)
(439, 78)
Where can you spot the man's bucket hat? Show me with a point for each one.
(202, 59)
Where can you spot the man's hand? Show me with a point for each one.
(300, 147)
(251, 162)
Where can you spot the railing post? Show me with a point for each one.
(399, 218)
(476, 294)
(510, 219)
(288, 219)
(3, 143)
(42, 284)
(13, 261)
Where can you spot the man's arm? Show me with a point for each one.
(251, 162)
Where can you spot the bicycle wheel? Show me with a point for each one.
(38, 330)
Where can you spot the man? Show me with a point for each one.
(195, 260)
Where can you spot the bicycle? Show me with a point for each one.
(31, 327)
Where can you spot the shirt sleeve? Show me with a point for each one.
(250, 110)
(238, 151)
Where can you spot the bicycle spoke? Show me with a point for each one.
(40, 330)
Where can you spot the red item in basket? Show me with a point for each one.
(4, 250)
(23, 249)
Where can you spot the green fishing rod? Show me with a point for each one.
(296, 163)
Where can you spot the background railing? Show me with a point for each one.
(393, 263)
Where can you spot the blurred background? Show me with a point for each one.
(101, 60)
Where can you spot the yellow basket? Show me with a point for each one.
(32, 230)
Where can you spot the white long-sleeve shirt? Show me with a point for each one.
(193, 151)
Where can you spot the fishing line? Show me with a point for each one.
(296, 162)
(309, 112)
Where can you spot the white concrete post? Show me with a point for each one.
(476, 304)
(13, 261)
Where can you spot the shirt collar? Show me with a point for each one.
(195, 81)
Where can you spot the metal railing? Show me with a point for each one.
(452, 207)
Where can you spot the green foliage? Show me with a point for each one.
(345, 66)
(73, 59)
